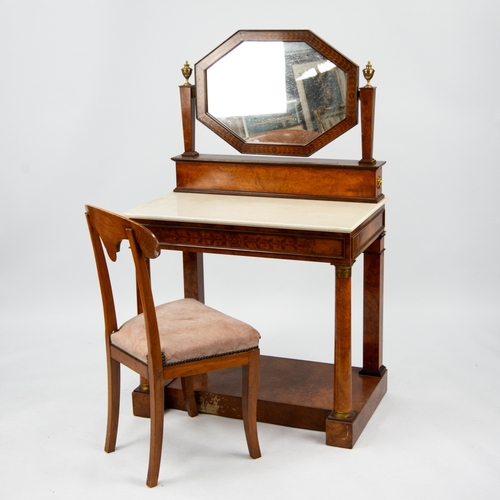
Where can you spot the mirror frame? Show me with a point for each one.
(273, 148)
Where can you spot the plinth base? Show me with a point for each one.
(293, 393)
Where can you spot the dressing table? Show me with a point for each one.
(281, 205)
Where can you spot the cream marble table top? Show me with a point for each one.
(284, 213)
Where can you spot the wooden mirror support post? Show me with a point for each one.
(188, 111)
(367, 101)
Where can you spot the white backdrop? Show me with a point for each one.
(89, 113)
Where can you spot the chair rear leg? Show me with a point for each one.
(188, 393)
(113, 404)
(157, 411)
(250, 389)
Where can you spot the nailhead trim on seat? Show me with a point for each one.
(165, 364)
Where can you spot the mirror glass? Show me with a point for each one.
(279, 92)
(276, 91)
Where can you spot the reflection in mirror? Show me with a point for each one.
(276, 92)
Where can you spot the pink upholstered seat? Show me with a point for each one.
(189, 330)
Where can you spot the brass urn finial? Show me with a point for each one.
(368, 73)
(186, 73)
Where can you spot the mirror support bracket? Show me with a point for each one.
(188, 103)
(367, 101)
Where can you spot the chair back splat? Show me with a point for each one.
(182, 339)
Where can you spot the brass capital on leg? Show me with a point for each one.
(343, 271)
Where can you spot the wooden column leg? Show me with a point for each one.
(193, 289)
(339, 424)
(373, 308)
(342, 400)
(193, 276)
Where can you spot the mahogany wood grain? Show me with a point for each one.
(188, 394)
(351, 72)
(192, 263)
(318, 246)
(107, 231)
(367, 99)
(113, 368)
(279, 177)
(366, 233)
(342, 400)
(188, 114)
(293, 393)
(373, 304)
(193, 276)
(334, 398)
(290, 389)
(345, 433)
(251, 381)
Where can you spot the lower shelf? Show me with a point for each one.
(293, 393)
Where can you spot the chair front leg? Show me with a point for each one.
(250, 389)
(157, 410)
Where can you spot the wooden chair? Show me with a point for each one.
(177, 339)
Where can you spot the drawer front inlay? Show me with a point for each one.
(251, 243)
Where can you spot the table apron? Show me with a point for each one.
(318, 246)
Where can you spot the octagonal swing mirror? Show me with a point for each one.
(279, 92)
